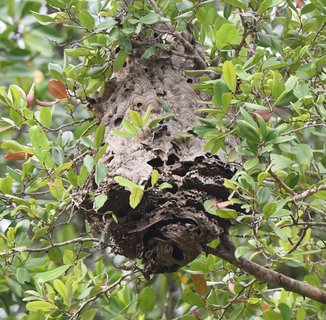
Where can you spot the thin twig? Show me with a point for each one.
(307, 193)
(308, 224)
(303, 128)
(281, 183)
(296, 245)
(103, 291)
(53, 245)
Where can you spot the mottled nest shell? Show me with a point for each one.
(168, 228)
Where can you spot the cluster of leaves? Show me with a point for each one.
(267, 94)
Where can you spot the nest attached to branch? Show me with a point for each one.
(168, 228)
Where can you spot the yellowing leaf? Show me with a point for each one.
(229, 75)
(200, 283)
(135, 196)
(155, 176)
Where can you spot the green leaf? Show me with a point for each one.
(227, 34)
(124, 134)
(100, 153)
(43, 18)
(154, 177)
(149, 52)
(88, 163)
(100, 173)
(229, 75)
(6, 185)
(99, 136)
(136, 118)
(86, 19)
(165, 185)
(56, 188)
(89, 314)
(61, 288)
(46, 117)
(40, 306)
(226, 213)
(136, 196)
(129, 127)
(17, 176)
(303, 153)
(146, 300)
(119, 60)
(238, 3)
(58, 155)
(38, 138)
(125, 182)
(22, 275)
(192, 298)
(248, 131)
(219, 89)
(240, 251)
(52, 274)
(56, 72)
(72, 178)
(150, 18)
(99, 201)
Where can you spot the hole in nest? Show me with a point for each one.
(162, 94)
(174, 188)
(177, 253)
(124, 65)
(182, 171)
(189, 80)
(117, 121)
(156, 34)
(172, 159)
(156, 162)
(139, 104)
(146, 69)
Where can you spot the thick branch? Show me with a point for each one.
(226, 251)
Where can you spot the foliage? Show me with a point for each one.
(266, 81)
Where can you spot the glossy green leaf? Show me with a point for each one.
(52, 274)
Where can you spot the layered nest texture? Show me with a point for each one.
(168, 228)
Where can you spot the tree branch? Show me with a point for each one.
(281, 183)
(226, 251)
(307, 193)
(95, 297)
(53, 245)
